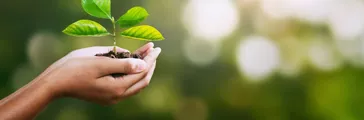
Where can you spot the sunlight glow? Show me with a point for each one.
(322, 56)
(351, 50)
(362, 51)
(258, 57)
(293, 56)
(210, 19)
(315, 11)
(347, 20)
(43, 45)
(276, 8)
(201, 52)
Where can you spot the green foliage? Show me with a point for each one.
(143, 32)
(102, 9)
(97, 8)
(133, 17)
(86, 28)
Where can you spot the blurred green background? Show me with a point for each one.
(221, 60)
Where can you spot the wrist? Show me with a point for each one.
(48, 88)
(35, 95)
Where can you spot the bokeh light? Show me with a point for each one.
(258, 57)
(44, 45)
(210, 19)
(314, 11)
(201, 52)
(350, 50)
(294, 56)
(362, 51)
(323, 56)
(277, 27)
(277, 9)
(346, 20)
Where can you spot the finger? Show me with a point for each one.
(152, 56)
(141, 84)
(86, 52)
(147, 52)
(144, 49)
(107, 66)
(132, 79)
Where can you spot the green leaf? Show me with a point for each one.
(133, 17)
(98, 8)
(143, 32)
(86, 28)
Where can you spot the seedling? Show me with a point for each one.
(127, 22)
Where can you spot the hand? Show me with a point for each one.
(82, 75)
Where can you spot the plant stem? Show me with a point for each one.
(114, 34)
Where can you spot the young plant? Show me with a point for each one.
(102, 9)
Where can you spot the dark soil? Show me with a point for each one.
(119, 55)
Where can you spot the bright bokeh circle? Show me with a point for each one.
(257, 57)
(210, 19)
(201, 52)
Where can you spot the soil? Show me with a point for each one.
(119, 55)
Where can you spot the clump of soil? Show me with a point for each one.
(119, 55)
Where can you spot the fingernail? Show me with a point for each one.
(151, 44)
(158, 50)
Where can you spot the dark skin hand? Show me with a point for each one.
(82, 75)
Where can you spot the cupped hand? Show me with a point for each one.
(82, 75)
